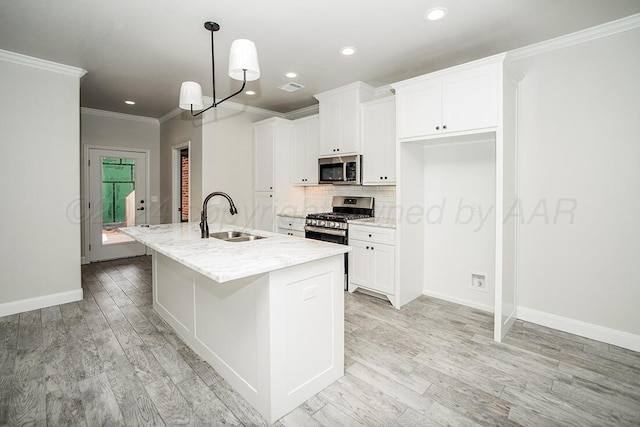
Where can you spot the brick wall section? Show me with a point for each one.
(184, 189)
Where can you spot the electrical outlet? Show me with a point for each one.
(309, 292)
(479, 281)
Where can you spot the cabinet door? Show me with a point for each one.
(360, 263)
(330, 126)
(384, 268)
(350, 142)
(419, 109)
(379, 142)
(263, 136)
(264, 212)
(304, 151)
(470, 99)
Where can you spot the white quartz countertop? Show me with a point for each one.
(375, 222)
(293, 215)
(224, 261)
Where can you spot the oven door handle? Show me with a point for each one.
(341, 233)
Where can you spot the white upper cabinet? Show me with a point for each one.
(340, 119)
(304, 150)
(379, 142)
(457, 100)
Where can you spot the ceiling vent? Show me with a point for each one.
(291, 87)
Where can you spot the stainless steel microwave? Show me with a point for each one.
(340, 170)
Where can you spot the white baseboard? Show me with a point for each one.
(468, 303)
(36, 303)
(577, 327)
(83, 260)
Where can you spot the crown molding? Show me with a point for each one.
(583, 36)
(228, 105)
(121, 116)
(384, 91)
(41, 64)
(303, 112)
(170, 115)
(355, 85)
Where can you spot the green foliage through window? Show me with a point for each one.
(118, 181)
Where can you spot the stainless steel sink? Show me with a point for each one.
(235, 236)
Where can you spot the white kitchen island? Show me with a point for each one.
(267, 314)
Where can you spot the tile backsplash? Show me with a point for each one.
(318, 198)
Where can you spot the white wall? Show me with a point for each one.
(173, 132)
(459, 185)
(579, 142)
(227, 163)
(40, 187)
(107, 129)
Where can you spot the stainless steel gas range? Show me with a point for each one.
(333, 226)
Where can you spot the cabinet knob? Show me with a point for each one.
(270, 188)
(385, 177)
(270, 195)
(380, 177)
(337, 149)
(367, 247)
(334, 149)
(444, 127)
(437, 127)
(369, 235)
(371, 247)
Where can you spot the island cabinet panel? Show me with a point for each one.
(307, 330)
(175, 300)
(222, 314)
(276, 337)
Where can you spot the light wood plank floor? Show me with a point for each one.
(110, 360)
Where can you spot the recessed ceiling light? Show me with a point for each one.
(291, 75)
(250, 92)
(348, 50)
(436, 13)
(130, 102)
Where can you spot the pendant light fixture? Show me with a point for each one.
(243, 65)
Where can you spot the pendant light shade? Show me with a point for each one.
(243, 56)
(191, 96)
(243, 65)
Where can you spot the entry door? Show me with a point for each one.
(118, 198)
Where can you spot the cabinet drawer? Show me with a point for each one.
(372, 234)
(295, 233)
(291, 223)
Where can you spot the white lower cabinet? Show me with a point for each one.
(291, 225)
(372, 260)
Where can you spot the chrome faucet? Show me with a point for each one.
(204, 226)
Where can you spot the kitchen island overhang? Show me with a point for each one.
(274, 329)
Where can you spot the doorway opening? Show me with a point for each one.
(116, 191)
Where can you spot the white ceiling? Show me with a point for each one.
(144, 49)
